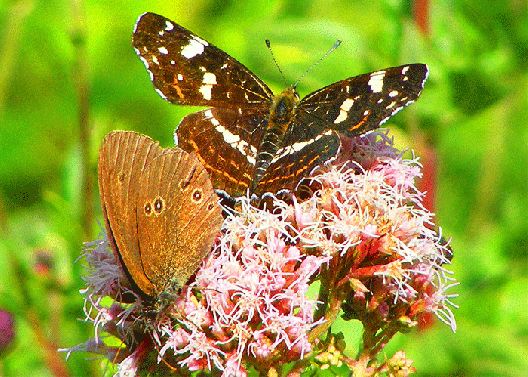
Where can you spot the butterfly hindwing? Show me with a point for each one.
(296, 161)
(224, 144)
(177, 200)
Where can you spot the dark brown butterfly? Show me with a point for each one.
(249, 139)
(160, 210)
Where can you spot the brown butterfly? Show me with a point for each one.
(160, 210)
(249, 139)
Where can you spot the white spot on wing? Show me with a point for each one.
(168, 25)
(143, 60)
(206, 91)
(230, 138)
(161, 94)
(296, 147)
(251, 157)
(163, 50)
(393, 93)
(214, 121)
(376, 81)
(180, 77)
(209, 78)
(155, 60)
(233, 140)
(195, 47)
(343, 110)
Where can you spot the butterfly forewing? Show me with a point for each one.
(122, 158)
(361, 103)
(186, 70)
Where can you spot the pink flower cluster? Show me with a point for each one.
(363, 235)
(388, 248)
(253, 307)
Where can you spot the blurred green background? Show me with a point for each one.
(68, 75)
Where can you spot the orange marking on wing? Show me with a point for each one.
(356, 126)
(297, 172)
(210, 168)
(178, 91)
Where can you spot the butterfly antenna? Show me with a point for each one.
(268, 43)
(336, 45)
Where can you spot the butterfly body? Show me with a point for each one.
(248, 139)
(281, 115)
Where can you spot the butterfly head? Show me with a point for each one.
(282, 110)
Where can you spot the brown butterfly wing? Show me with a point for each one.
(178, 218)
(122, 160)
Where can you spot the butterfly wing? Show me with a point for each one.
(226, 143)
(295, 161)
(359, 104)
(186, 70)
(178, 218)
(122, 158)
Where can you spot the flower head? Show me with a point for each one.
(363, 234)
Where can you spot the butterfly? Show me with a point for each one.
(161, 212)
(248, 139)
